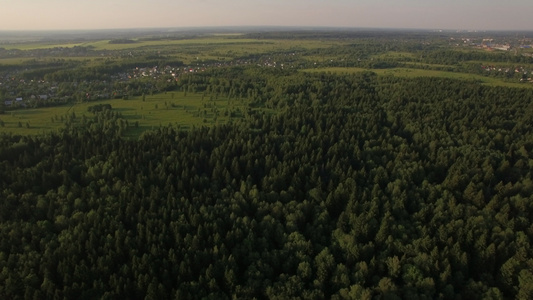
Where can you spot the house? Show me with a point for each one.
(502, 47)
(43, 97)
(8, 103)
(18, 99)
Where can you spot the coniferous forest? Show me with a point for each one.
(349, 186)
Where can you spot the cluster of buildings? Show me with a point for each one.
(20, 100)
(491, 44)
(18, 92)
(521, 71)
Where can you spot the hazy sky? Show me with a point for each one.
(110, 14)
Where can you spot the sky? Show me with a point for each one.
(115, 14)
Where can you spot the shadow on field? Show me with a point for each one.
(123, 109)
(132, 117)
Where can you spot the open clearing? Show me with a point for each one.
(174, 108)
(221, 48)
(410, 73)
(210, 40)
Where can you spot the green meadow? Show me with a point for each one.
(175, 108)
(398, 55)
(217, 40)
(411, 73)
(24, 60)
(38, 45)
(216, 47)
(106, 45)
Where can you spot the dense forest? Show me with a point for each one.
(349, 187)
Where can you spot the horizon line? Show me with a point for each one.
(308, 27)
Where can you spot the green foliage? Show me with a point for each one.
(99, 108)
(121, 41)
(321, 186)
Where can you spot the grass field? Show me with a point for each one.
(395, 55)
(24, 60)
(218, 40)
(14, 61)
(216, 47)
(105, 45)
(174, 108)
(411, 73)
(39, 45)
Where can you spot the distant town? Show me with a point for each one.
(45, 76)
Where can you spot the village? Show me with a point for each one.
(35, 83)
(516, 44)
(18, 92)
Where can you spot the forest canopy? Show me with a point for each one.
(330, 186)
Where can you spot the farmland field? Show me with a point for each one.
(209, 48)
(219, 41)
